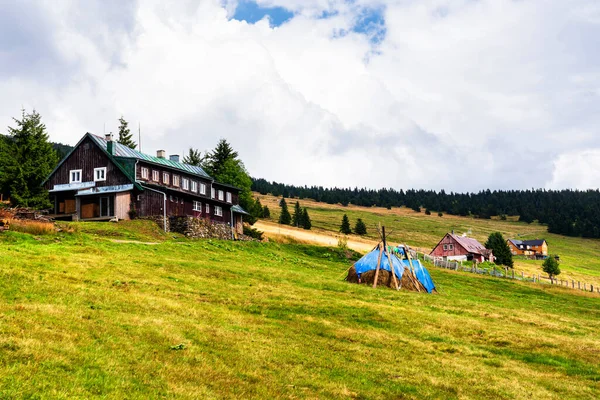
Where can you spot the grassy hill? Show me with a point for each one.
(125, 311)
(579, 257)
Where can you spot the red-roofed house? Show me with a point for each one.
(459, 248)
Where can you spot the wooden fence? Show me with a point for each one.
(507, 273)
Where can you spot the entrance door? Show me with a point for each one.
(105, 207)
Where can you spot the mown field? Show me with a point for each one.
(90, 313)
(580, 258)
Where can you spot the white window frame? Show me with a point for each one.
(445, 247)
(202, 188)
(176, 180)
(197, 206)
(145, 173)
(221, 195)
(228, 197)
(207, 208)
(194, 186)
(101, 170)
(185, 184)
(450, 247)
(212, 193)
(165, 178)
(171, 198)
(75, 171)
(218, 211)
(155, 175)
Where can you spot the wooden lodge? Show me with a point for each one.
(101, 179)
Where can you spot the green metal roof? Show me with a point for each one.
(238, 209)
(126, 152)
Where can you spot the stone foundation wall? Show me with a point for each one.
(198, 228)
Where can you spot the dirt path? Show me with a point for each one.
(320, 237)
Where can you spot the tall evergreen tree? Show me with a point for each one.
(284, 218)
(266, 213)
(223, 164)
(194, 157)
(297, 217)
(215, 161)
(125, 135)
(500, 249)
(306, 223)
(360, 228)
(26, 159)
(345, 227)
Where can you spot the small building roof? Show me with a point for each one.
(470, 244)
(238, 209)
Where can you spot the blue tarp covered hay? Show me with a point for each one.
(364, 269)
(419, 270)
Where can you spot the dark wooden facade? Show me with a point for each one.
(145, 195)
(86, 157)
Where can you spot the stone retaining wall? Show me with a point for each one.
(198, 228)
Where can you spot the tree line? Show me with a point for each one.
(567, 212)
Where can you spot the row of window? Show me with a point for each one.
(448, 247)
(185, 184)
(197, 206)
(75, 175)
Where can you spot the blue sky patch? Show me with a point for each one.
(251, 12)
(371, 22)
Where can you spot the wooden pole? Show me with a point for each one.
(378, 265)
(385, 249)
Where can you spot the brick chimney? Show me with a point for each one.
(161, 153)
(110, 143)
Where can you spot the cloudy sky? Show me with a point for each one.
(456, 94)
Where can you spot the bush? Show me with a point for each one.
(551, 267)
(342, 243)
(440, 214)
(253, 232)
(427, 212)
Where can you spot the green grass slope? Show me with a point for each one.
(579, 257)
(85, 317)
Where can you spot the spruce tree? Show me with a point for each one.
(194, 157)
(214, 161)
(297, 217)
(500, 249)
(345, 227)
(125, 135)
(306, 223)
(224, 166)
(284, 218)
(360, 228)
(26, 161)
(266, 213)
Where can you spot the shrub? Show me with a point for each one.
(253, 232)
(342, 243)
(551, 267)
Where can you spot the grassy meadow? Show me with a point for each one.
(123, 310)
(580, 258)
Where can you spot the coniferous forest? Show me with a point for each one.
(566, 212)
